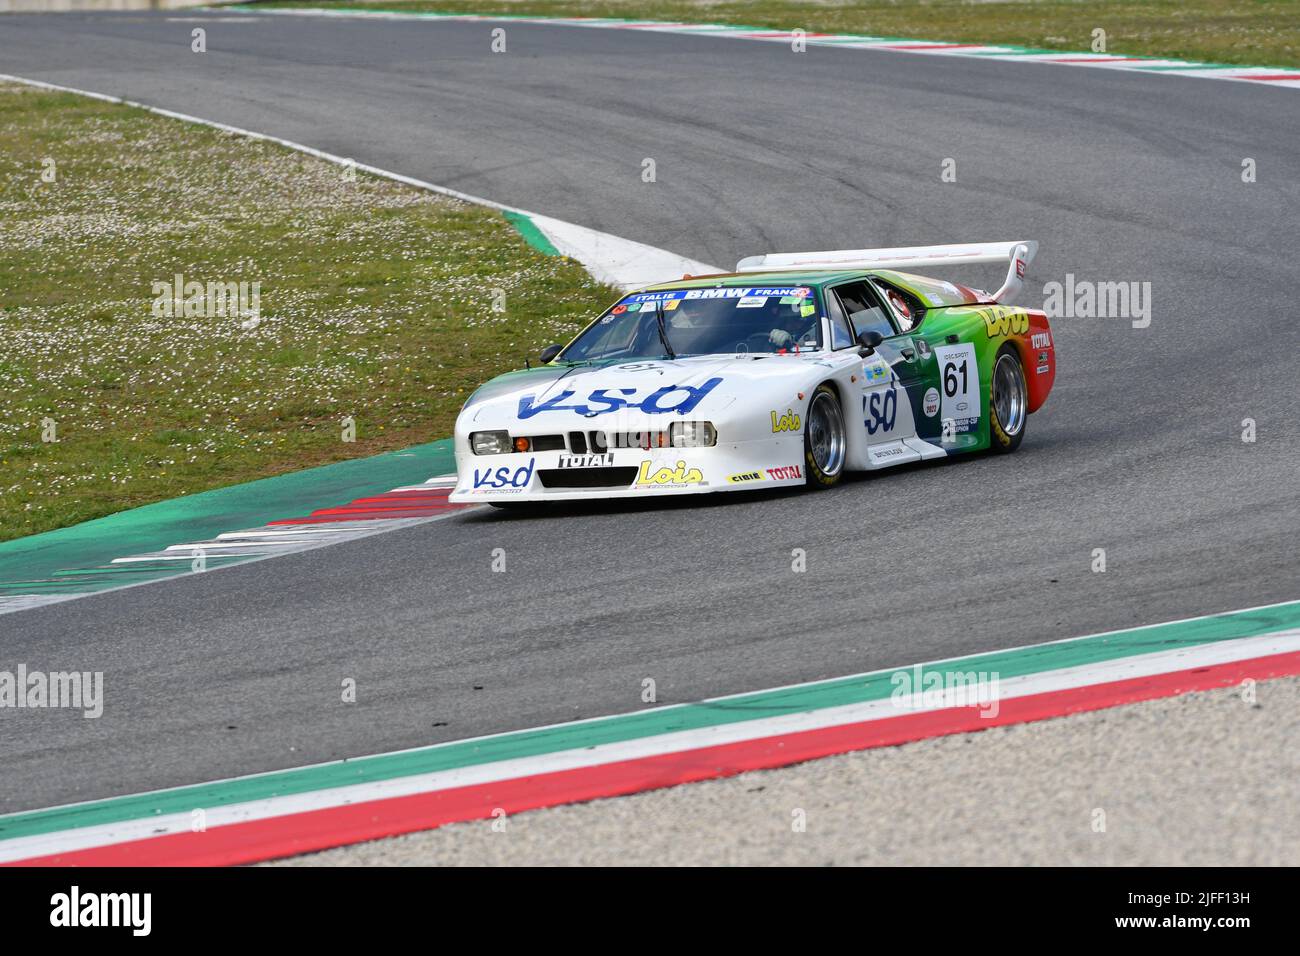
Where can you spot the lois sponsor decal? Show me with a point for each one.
(789, 422)
(1003, 320)
(677, 476)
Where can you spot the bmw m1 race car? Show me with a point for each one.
(793, 370)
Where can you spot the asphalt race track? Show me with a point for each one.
(1121, 177)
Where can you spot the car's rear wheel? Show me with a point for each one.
(1008, 401)
(824, 441)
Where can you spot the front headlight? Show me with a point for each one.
(692, 434)
(490, 443)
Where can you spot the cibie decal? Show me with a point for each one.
(880, 411)
(789, 422)
(746, 477)
(785, 473)
(670, 398)
(1002, 320)
(673, 477)
(507, 476)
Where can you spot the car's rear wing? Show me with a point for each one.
(1017, 254)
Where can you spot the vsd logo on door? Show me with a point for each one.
(505, 478)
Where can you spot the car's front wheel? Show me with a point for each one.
(824, 440)
(1008, 401)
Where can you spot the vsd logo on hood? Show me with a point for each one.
(599, 402)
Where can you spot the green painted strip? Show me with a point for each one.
(143, 568)
(532, 235)
(198, 517)
(773, 703)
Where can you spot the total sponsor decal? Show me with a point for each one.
(786, 473)
(507, 478)
(676, 476)
(789, 422)
(587, 461)
(745, 478)
(1041, 340)
(600, 401)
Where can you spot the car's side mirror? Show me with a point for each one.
(549, 353)
(869, 340)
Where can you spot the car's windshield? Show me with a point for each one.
(724, 320)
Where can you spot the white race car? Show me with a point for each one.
(789, 371)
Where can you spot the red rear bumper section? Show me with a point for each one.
(1038, 355)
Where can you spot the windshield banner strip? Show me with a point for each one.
(726, 292)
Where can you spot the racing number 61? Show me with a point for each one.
(950, 371)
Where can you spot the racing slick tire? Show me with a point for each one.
(1008, 401)
(824, 441)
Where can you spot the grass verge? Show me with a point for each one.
(1254, 32)
(376, 303)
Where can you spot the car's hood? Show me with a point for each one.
(699, 386)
